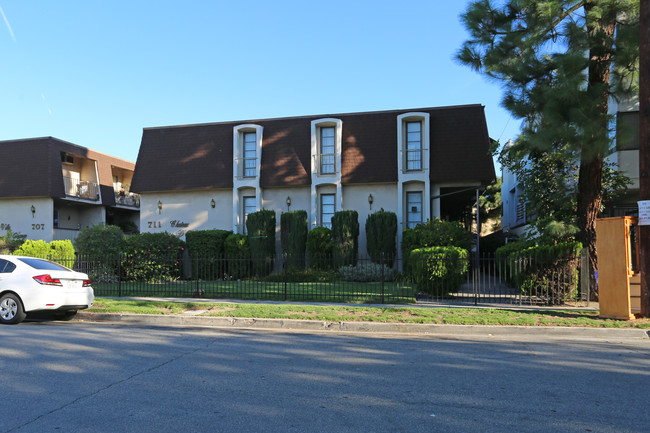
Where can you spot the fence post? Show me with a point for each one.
(119, 277)
(584, 275)
(284, 267)
(197, 291)
(381, 260)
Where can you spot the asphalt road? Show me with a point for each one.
(97, 377)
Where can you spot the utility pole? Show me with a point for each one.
(644, 151)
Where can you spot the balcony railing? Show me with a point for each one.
(246, 168)
(326, 163)
(131, 199)
(81, 188)
(413, 160)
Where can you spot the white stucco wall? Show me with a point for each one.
(91, 216)
(355, 197)
(184, 211)
(276, 199)
(16, 215)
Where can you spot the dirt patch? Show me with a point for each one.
(221, 309)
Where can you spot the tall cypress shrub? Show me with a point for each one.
(381, 229)
(345, 234)
(319, 248)
(261, 238)
(293, 235)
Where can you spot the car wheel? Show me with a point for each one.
(11, 309)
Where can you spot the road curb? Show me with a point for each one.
(370, 327)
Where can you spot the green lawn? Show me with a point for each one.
(459, 316)
(345, 292)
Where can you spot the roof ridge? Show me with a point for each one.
(354, 113)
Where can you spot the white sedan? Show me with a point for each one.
(29, 284)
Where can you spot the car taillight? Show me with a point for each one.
(48, 280)
(86, 283)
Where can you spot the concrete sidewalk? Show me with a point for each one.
(193, 319)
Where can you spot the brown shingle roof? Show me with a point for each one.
(32, 168)
(195, 157)
(460, 145)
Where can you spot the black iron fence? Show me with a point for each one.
(524, 280)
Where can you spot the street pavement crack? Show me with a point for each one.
(109, 386)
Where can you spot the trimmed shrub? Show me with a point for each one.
(367, 272)
(152, 257)
(260, 226)
(33, 248)
(435, 233)
(381, 229)
(99, 248)
(206, 248)
(293, 236)
(206, 243)
(238, 255)
(548, 270)
(438, 270)
(11, 242)
(100, 242)
(61, 252)
(345, 234)
(319, 248)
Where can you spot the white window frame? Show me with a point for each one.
(317, 147)
(413, 147)
(321, 213)
(402, 144)
(247, 209)
(323, 155)
(410, 223)
(240, 160)
(249, 153)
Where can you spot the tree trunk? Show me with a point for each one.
(589, 200)
(601, 31)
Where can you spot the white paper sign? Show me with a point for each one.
(644, 213)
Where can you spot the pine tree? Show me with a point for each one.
(560, 61)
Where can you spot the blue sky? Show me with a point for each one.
(96, 73)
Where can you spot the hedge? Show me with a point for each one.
(381, 229)
(435, 233)
(61, 252)
(260, 226)
(293, 237)
(152, 257)
(319, 248)
(100, 241)
(238, 254)
(206, 248)
(345, 234)
(438, 270)
(548, 269)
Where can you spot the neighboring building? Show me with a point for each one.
(50, 189)
(625, 159)
(626, 156)
(514, 220)
(210, 176)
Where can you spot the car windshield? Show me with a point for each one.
(43, 264)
